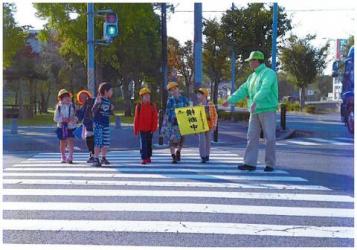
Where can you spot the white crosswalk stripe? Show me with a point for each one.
(60, 204)
(313, 141)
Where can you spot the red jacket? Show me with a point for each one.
(145, 119)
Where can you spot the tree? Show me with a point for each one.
(324, 85)
(250, 28)
(14, 36)
(51, 64)
(214, 58)
(303, 62)
(214, 54)
(180, 59)
(132, 57)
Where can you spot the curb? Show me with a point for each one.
(285, 134)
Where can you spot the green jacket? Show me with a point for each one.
(261, 88)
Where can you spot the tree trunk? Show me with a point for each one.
(32, 99)
(45, 108)
(302, 98)
(17, 96)
(127, 104)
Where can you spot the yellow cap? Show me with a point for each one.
(83, 92)
(63, 92)
(144, 91)
(171, 85)
(203, 91)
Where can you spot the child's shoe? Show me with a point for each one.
(96, 163)
(104, 161)
(174, 160)
(70, 160)
(178, 155)
(90, 160)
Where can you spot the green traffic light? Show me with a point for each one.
(112, 30)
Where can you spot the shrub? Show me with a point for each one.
(237, 116)
(310, 109)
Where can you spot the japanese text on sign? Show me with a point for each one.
(192, 120)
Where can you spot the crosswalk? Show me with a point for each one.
(49, 205)
(313, 141)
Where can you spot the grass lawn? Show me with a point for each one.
(47, 119)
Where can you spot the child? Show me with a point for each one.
(145, 123)
(171, 128)
(66, 123)
(211, 114)
(102, 109)
(84, 114)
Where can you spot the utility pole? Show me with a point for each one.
(197, 46)
(163, 68)
(275, 35)
(233, 69)
(90, 49)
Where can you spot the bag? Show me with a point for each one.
(62, 132)
(78, 132)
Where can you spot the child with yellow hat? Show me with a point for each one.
(85, 115)
(211, 114)
(145, 124)
(170, 126)
(65, 117)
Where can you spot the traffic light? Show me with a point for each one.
(110, 26)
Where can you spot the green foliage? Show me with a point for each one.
(292, 106)
(214, 54)
(14, 36)
(310, 109)
(250, 28)
(235, 116)
(303, 62)
(243, 30)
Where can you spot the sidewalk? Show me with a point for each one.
(43, 138)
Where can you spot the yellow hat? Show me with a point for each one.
(203, 91)
(144, 91)
(83, 92)
(63, 92)
(171, 85)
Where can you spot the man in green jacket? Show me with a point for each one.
(261, 89)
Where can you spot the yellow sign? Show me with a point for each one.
(192, 120)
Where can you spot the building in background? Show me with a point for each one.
(341, 52)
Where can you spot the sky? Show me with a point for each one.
(328, 19)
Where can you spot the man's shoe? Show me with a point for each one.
(207, 158)
(143, 162)
(268, 169)
(104, 161)
(178, 155)
(246, 167)
(148, 160)
(203, 159)
(96, 163)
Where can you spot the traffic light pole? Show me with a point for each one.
(233, 70)
(164, 69)
(275, 35)
(198, 45)
(90, 48)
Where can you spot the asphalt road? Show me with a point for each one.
(307, 202)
